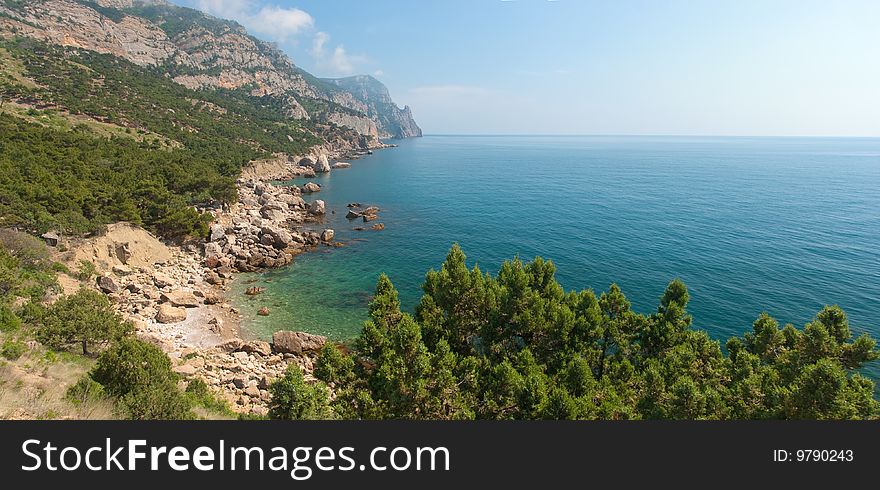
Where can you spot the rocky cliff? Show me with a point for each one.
(202, 52)
(393, 121)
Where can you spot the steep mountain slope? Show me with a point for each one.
(396, 122)
(202, 52)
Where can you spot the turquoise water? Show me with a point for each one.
(784, 225)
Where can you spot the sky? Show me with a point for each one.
(745, 67)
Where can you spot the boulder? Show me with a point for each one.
(317, 207)
(170, 314)
(327, 235)
(218, 231)
(122, 270)
(354, 205)
(283, 239)
(252, 391)
(311, 342)
(107, 285)
(183, 299)
(286, 342)
(341, 165)
(185, 370)
(257, 347)
(272, 211)
(352, 214)
(231, 345)
(161, 280)
(264, 311)
(322, 164)
(213, 249)
(123, 252)
(378, 227)
(311, 187)
(254, 290)
(307, 162)
(369, 217)
(211, 298)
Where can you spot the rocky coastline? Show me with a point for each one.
(176, 294)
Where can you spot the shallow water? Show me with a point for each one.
(784, 225)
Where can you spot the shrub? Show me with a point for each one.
(86, 318)
(86, 270)
(294, 399)
(200, 395)
(157, 401)
(139, 375)
(85, 390)
(9, 322)
(131, 364)
(12, 349)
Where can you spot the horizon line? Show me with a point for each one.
(617, 135)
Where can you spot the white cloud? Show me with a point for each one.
(378, 73)
(318, 43)
(336, 63)
(283, 24)
(277, 23)
(280, 23)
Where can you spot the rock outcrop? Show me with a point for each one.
(392, 121)
(203, 52)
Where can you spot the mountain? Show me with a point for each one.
(396, 122)
(140, 111)
(202, 52)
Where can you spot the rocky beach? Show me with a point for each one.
(177, 294)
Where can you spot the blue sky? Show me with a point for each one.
(583, 67)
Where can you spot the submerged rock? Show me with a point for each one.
(264, 311)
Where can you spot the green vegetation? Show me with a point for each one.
(72, 178)
(294, 399)
(139, 375)
(517, 346)
(85, 318)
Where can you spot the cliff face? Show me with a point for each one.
(393, 121)
(202, 52)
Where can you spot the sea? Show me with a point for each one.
(750, 224)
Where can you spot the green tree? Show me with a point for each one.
(85, 317)
(517, 346)
(139, 375)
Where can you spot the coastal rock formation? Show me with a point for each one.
(310, 187)
(203, 52)
(322, 164)
(340, 165)
(392, 121)
(285, 342)
(317, 207)
(327, 235)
